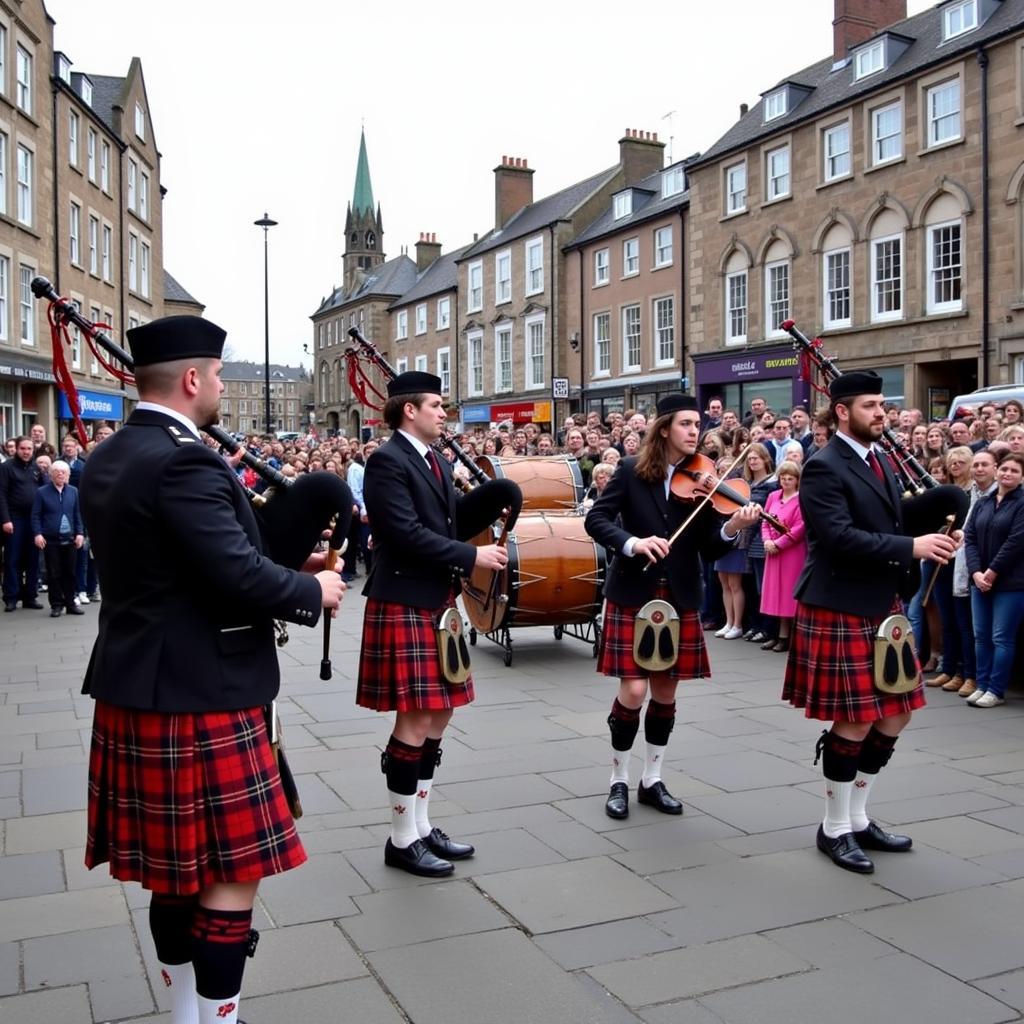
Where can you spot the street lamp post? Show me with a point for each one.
(266, 223)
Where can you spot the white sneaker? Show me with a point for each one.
(989, 700)
(734, 634)
(975, 697)
(725, 629)
(83, 598)
(77, 601)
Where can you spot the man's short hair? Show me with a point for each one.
(394, 408)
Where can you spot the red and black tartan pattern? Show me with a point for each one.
(616, 657)
(831, 668)
(399, 667)
(178, 802)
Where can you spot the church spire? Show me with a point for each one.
(362, 196)
(364, 227)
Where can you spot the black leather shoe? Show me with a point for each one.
(617, 804)
(446, 848)
(75, 610)
(417, 860)
(875, 838)
(35, 605)
(845, 852)
(9, 606)
(55, 613)
(659, 798)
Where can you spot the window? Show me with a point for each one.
(133, 263)
(402, 365)
(631, 338)
(444, 369)
(837, 288)
(887, 133)
(444, 313)
(503, 359)
(837, 151)
(602, 267)
(107, 245)
(243, 405)
(475, 296)
(673, 181)
(133, 174)
(944, 112)
(73, 138)
(3, 59)
(24, 185)
(534, 266)
(23, 71)
(535, 353)
(887, 278)
(777, 177)
(28, 320)
(602, 344)
(5, 296)
(144, 253)
(663, 247)
(622, 204)
(736, 188)
(421, 364)
(503, 277)
(475, 342)
(144, 195)
(421, 318)
(664, 331)
(945, 268)
(75, 234)
(959, 18)
(776, 293)
(96, 315)
(869, 60)
(76, 340)
(774, 105)
(401, 324)
(90, 153)
(105, 166)
(630, 257)
(736, 307)
(140, 122)
(3, 173)
(85, 90)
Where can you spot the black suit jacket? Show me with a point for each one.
(858, 559)
(186, 622)
(413, 518)
(630, 507)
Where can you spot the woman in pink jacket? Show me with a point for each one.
(784, 552)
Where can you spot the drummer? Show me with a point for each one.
(633, 518)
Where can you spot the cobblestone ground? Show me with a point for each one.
(727, 914)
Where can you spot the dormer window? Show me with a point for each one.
(959, 18)
(622, 204)
(775, 105)
(63, 68)
(85, 89)
(673, 181)
(869, 60)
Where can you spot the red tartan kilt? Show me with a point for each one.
(178, 802)
(831, 668)
(399, 669)
(616, 657)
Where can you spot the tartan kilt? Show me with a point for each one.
(178, 802)
(616, 656)
(831, 668)
(399, 667)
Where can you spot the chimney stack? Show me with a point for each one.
(640, 154)
(428, 248)
(513, 188)
(857, 20)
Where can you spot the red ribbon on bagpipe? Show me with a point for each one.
(808, 364)
(359, 380)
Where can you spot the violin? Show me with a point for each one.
(694, 479)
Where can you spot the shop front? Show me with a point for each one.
(93, 406)
(522, 412)
(639, 394)
(769, 373)
(26, 395)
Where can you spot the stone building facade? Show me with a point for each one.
(243, 402)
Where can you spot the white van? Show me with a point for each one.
(997, 394)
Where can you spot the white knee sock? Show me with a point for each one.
(837, 808)
(620, 766)
(218, 1011)
(652, 764)
(403, 819)
(423, 788)
(859, 819)
(180, 980)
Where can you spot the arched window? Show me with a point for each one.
(836, 271)
(736, 297)
(355, 237)
(324, 398)
(339, 377)
(886, 255)
(777, 287)
(944, 264)
(371, 240)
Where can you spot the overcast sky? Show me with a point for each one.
(258, 107)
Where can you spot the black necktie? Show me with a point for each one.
(435, 466)
(876, 466)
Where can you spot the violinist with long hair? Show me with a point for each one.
(634, 518)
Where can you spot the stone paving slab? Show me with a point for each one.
(630, 939)
(52, 914)
(56, 1007)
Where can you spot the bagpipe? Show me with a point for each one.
(928, 506)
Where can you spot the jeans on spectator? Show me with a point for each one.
(60, 573)
(21, 563)
(711, 609)
(942, 595)
(918, 617)
(965, 633)
(997, 617)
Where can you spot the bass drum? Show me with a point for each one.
(547, 482)
(554, 576)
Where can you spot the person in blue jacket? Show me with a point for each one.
(58, 532)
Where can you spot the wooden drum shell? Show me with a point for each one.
(548, 482)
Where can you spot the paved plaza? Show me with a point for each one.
(727, 914)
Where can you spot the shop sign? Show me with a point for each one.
(476, 414)
(94, 405)
(522, 412)
(749, 366)
(25, 371)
